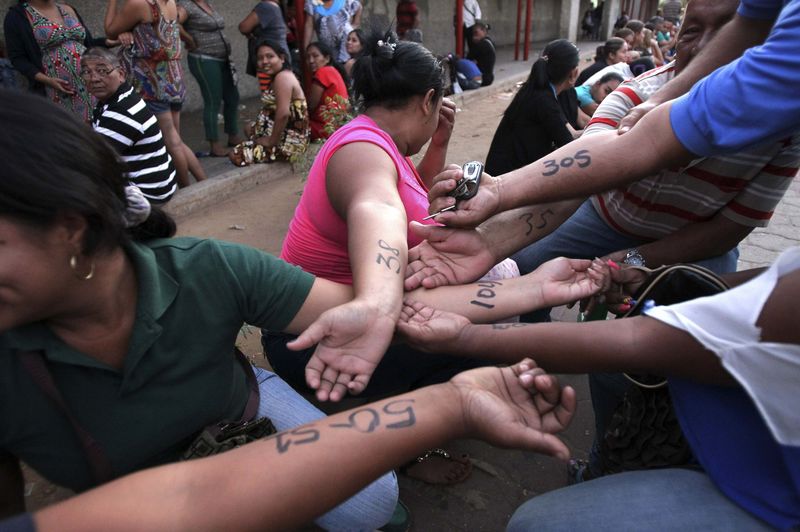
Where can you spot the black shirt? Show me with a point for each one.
(590, 71)
(482, 52)
(533, 129)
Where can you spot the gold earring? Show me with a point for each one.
(73, 264)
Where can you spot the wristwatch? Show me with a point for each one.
(634, 258)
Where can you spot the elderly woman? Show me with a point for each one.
(155, 70)
(118, 340)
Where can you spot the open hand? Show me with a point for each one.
(565, 280)
(518, 406)
(446, 257)
(430, 329)
(469, 213)
(351, 340)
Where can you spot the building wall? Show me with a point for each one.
(550, 20)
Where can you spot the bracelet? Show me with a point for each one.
(634, 258)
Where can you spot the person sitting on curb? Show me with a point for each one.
(482, 51)
(122, 117)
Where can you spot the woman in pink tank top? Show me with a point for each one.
(351, 225)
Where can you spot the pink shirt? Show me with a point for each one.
(317, 237)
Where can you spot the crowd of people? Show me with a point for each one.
(389, 282)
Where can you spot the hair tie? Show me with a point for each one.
(544, 57)
(138, 208)
(391, 45)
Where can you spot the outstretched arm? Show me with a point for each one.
(286, 481)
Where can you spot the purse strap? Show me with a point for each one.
(34, 363)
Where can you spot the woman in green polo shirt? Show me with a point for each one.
(136, 329)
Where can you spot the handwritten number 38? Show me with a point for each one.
(582, 159)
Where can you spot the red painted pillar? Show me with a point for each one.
(528, 15)
(516, 34)
(460, 28)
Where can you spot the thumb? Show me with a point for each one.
(420, 230)
(313, 335)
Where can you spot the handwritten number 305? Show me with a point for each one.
(582, 159)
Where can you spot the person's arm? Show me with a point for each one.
(308, 31)
(356, 20)
(583, 167)
(185, 35)
(125, 19)
(435, 157)
(450, 256)
(361, 181)
(284, 482)
(315, 95)
(283, 82)
(692, 242)
(731, 40)
(659, 57)
(249, 24)
(12, 500)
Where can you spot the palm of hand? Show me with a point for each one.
(354, 339)
(428, 328)
(562, 283)
(460, 257)
(506, 414)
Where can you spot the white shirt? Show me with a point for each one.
(472, 12)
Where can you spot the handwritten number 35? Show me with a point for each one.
(582, 159)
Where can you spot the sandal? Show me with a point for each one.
(437, 466)
(400, 521)
(578, 471)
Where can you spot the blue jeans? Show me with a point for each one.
(659, 499)
(585, 235)
(370, 508)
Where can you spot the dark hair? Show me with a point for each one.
(278, 49)
(611, 46)
(624, 32)
(389, 72)
(56, 164)
(558, 59)
(362, 38)
(326, 51)
(611, 76)
(635, 25)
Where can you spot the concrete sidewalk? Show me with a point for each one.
(226, 180)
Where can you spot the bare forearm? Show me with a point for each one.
(432, 163)
(640, 344)
(510, 231)
(695, 242)
(281, 119)
(111, 11)
(278, 484)
(591, 164)
(378, 252)
(485, 301)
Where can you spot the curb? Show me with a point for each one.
(223, 186)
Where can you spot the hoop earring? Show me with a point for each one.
(73, 264)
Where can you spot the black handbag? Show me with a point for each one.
(644, 432)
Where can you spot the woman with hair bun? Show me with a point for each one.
(352, 222)
(533, 125)
(136, 329)
(328, 90)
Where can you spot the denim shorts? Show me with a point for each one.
(157, 107)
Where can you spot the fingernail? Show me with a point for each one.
(613, 264)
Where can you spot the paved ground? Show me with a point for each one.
(256, 210)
